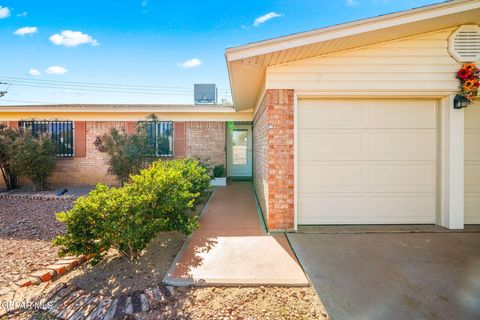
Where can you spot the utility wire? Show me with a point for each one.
(104, 90)
(111, 90)
(99, 84)
(27, 101)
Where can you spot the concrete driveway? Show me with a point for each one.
(394, 276)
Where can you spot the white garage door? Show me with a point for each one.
(366, 161)
(472, 163)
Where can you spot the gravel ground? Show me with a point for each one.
(241, 303)
(224, 303)
(26, 228)
(116, 275)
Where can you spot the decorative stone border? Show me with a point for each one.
(45, 197)
(54, 270)
(70, 302)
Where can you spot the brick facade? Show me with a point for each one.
(274, 127)
(202, 139)
(92, 168)
(207, 140)
(260, 156)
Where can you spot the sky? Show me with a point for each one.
(146, 51)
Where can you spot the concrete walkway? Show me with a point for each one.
(231, 248)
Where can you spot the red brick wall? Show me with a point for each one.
(92, 168)
(203, 139)
(260, 157)
(278, 125)
(206, 140)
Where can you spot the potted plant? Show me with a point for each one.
(219, 179)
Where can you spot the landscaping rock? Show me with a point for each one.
(26, 229)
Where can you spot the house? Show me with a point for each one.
(350, 124)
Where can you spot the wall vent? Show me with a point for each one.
(464, 44)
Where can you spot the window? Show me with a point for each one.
(161, 136)
(60, 131)
(240, 140)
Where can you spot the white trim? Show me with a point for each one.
(329, 94)
(452, 165)
(349, 29)
(295, 162)
(120, 108)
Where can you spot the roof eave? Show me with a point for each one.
(349, 29)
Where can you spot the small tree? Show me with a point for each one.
(35, 157)
(8, 138)
(127, 154)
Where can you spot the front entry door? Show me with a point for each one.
(239, 151)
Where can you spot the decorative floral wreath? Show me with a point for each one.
(469, 76)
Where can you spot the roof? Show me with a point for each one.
(107, 108)
(247, 63)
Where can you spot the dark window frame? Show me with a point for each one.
(157, 130)
(62, 133)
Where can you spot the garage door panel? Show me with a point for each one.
(472, 144)
(400, 177)
(472, 205)
(366, 161)
(402, 114)
(397, 145)
(370, 208)
(333, 209)
(330, 177)
(330, 114)
(401, 209)
(472, 177)
(472, 117)
(318, 145)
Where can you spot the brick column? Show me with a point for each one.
(280, 114)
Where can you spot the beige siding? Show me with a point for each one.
(472, 164)
(418, 63)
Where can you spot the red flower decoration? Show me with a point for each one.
(469, 76)
(463, 74)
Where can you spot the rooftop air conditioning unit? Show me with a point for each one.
(205, 93)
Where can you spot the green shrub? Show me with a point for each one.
(128, 218)
(196, 172)
(219, 171)
(35, 157)
(8, 138)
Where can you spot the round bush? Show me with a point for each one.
(128, 218)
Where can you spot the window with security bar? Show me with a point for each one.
(61, 133)
(160, 134)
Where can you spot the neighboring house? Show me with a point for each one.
(351, 124)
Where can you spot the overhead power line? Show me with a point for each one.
(24, 101)
(100, 85)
